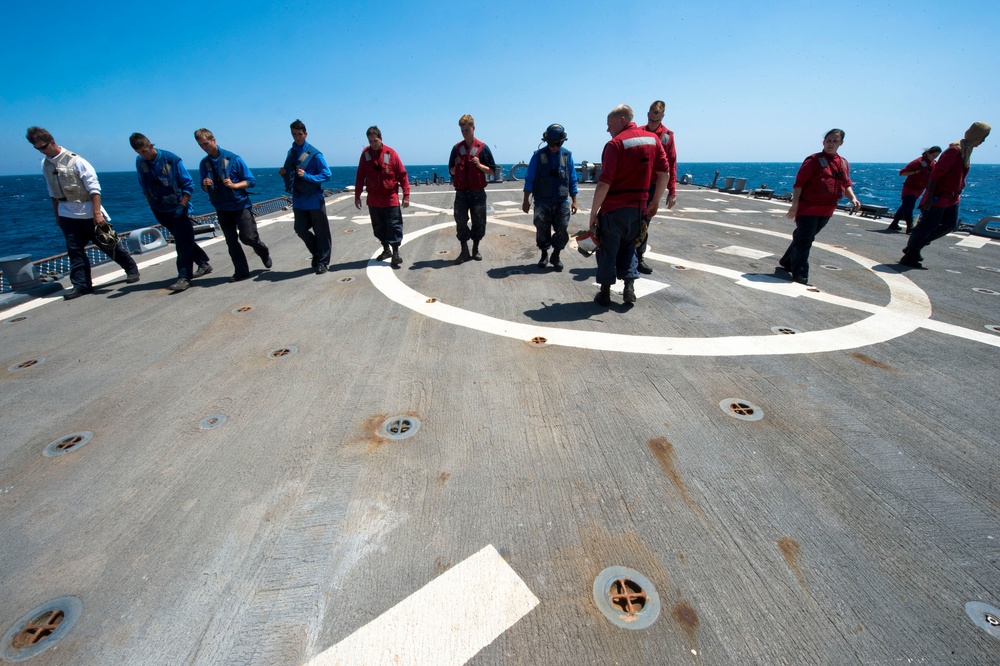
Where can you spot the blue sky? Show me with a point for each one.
(742, 81)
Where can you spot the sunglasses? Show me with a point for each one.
(44, 145)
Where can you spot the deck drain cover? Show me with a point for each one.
(741, 409)
(989, 268)
(40, 629)
(709, 245)
(831, 267)
(67, 444)
(245, 308)
(784, 330)
(16, 320)
(538, 341)
(432, 300)
(284, 352)
(515, 271)
(24, 365)
(400, 427)
(678, 267)
(347, 231)
(993, 327)
(626, 597)
(444, 251)
(985, 616)
(345, 280)
(213, 421)
(980, 290)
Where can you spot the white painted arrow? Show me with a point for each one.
(445, 622)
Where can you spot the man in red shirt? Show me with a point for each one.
(656, 126)
(381, 172)
(940, 202)
(628, 165)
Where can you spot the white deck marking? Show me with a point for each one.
(974, 241)
(507, 203)
(718, 200)
(445, 622)
(909, 308)
(643, 287)
(697, 210)
(738, 210)
(747, 252)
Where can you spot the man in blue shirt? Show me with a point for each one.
(168, 187)
(226, 178)
(304, 172)
(551, 178)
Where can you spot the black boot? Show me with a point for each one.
(464, 255)
(544, 259)
(604, 295)
(556, 264)
(629, 294)
(643, 266)
(396, 259)
(386, 253)
(475, 251)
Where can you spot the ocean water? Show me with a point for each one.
(27, 224)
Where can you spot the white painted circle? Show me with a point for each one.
(908, 306)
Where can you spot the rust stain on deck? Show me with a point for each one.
(791, 551)
(868, 360)
(687, 617)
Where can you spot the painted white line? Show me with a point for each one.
(909, 308)
(738, 210)
(643, 287)
(696, 210)
(507, 203)
(445, 622)
(747, 252)
(974, 241)
(718, 200)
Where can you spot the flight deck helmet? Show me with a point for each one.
(554, 133)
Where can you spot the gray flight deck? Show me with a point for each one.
(240, 501)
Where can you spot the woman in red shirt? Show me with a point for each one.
(821, 181)
(917, 173)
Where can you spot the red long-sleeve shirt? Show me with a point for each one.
(382, 174)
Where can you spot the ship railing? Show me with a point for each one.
(54, 268)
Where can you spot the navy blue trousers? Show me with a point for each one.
(188, 252)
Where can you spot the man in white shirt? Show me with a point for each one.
(76, 203)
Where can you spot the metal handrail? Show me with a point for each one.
(53, 268)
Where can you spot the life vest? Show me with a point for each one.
(828, 185)
(551, 176)
(634, 170)
(162, 186)
(299, 186)
(63, 179)
(385, 182)
(468, 177)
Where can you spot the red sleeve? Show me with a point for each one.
(915, 165)
(359, 179)
(805, 172)
(672, 158)
(661, 164)
(401, 175)
(609, 162)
